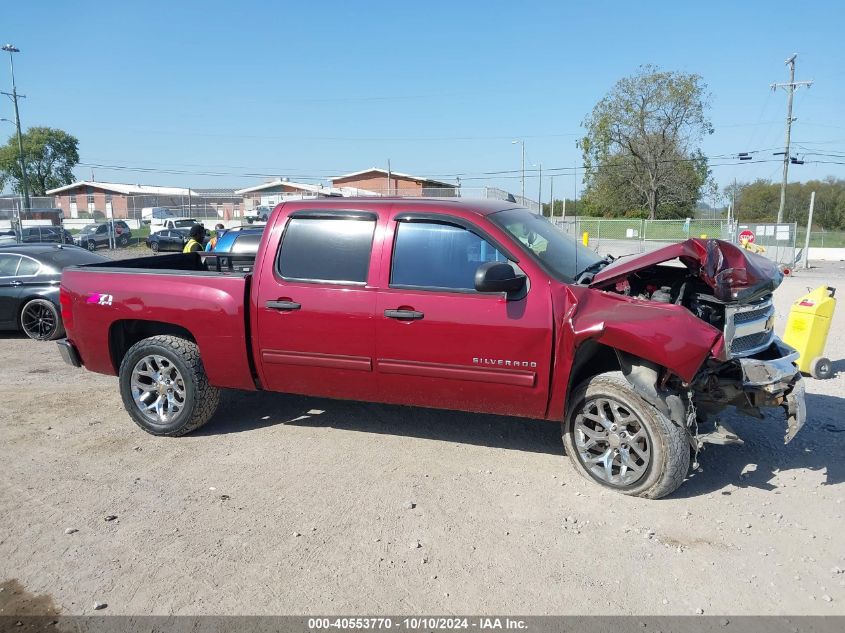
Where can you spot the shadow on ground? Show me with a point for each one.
(818, 447)
(13, 334)
(244, 411)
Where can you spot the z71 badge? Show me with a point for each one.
(100, 299)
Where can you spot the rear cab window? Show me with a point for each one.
(327, 247)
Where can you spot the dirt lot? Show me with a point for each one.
(295, 505)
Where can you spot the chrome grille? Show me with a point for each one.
(750, 315)
(745, 344)
(749, 328)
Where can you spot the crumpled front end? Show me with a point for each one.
(767, 379)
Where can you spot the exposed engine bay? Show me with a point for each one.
(731, 290)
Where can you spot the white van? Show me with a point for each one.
(155, 215)
(175, 222)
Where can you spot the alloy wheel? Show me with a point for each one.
(612, 442)
(158, 389)
(38, 321)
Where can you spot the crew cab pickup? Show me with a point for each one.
(475, 306)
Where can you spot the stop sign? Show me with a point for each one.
(747, 235)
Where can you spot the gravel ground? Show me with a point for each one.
(288, 504)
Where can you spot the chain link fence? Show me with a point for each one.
(624, 236)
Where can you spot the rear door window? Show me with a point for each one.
(327, 249)
(9, 265)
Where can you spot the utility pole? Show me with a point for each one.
(790, 91)
(389, 186)
(806, 257)
(552, 197)
(540, 189)
(523, 167)
(14, 97)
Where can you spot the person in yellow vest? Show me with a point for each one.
(195, 239)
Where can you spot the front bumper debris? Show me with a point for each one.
(796, 410)
(771, 374)
(780, 381)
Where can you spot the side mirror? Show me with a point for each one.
(498, 277)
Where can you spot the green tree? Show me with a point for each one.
(640, 146)
(759, 200)
(50, 156)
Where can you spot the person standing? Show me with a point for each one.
(195, 239)
(218, 231)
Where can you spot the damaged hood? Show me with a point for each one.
(733, 273)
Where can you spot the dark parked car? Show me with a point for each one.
(96, 235)
(46, 234)
(167, 240)
(240, 240)
(33, 234)
(29, 286)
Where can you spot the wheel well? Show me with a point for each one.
(591, 359)
(124, 334)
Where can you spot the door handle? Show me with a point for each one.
(17, 282)
(404, 315)
(284, 306)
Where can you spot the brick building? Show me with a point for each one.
(381, 182)
(111, 199)
(92, 199)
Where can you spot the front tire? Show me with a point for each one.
(155, 247)
(618, 440)
(165, 388)
(40, 320)
(91, 245)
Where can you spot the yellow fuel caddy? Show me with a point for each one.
(807, 328)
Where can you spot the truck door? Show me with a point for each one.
(315, 309)
(439, 343)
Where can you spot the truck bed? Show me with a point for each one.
(203, 296)
(201, 262)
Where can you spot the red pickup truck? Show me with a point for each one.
(470, 305)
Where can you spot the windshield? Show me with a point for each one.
(184, 223)
(560, 255)
(90, 228)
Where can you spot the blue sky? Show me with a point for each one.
(311, 89)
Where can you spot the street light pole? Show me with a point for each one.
(14, 96)
(523, 166)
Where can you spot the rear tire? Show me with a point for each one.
(40, 320)
(644, 455)
(165, 388)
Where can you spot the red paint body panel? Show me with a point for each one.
(211, 308)
(470, 352)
